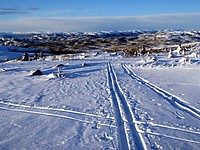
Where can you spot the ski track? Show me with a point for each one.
(106, 125)
(172, 137)
(56, 115)
(94, 115)
(53, 109)
(118, 98)
(175, 101)
(122, 134)
(172, 128)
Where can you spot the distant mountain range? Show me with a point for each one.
(106, 40)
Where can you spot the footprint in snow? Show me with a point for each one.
(152, 99)
(179, 116)
(106, 137)
(158, 104)
(148, 117)
(96, 126)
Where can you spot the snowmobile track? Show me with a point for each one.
(121, 106)
(174, 100)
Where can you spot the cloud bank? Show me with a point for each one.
(8, 11)
(58, 24)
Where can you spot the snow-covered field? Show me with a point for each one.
(101, 102)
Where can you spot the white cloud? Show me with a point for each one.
(78, 10)
(55, 12)
(166, 21)
(92, 10)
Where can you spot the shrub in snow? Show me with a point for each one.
(41, 54)
(35, 56)
(25, 57)
(134, 51)
(178, 50)
(143, 50)
(170, 55)
(131, 52)
(183, 51)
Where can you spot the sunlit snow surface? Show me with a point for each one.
(102, 102)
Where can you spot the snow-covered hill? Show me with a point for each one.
(101, 101)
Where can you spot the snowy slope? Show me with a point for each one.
(102, 102)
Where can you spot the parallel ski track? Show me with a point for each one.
(174, 100)
(103, 124)
(122, 134)
(118, 98)
(36, 108)
(56, 116)
(52, 109)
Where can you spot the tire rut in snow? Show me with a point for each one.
(175, 101)
(117, 99)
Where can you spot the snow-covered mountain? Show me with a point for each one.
(92, 40)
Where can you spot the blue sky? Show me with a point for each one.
(96, 15)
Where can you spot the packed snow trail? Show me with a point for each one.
(172, 99)
(119, 98)
(122, 134)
